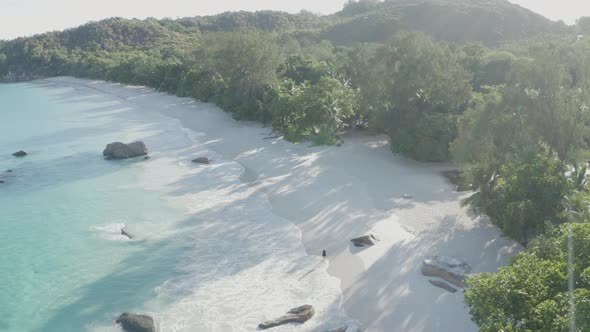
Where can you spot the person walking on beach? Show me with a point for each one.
(324, 255)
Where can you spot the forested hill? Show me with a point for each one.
(486, 21)
(490, 22)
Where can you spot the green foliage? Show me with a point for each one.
(248, 61)
(583, 25)
(526, 141)
(118, 34)
(371, 27)
(417, 89)
(532, 293)
(494, 68)
(428, 139)
(318, 112)
(459, 21)
(301, 68)
(3, 67)
(202, 84)
(355, 7)
(261, 20)
(356, 65)
(527, 195)
(555, 101)
(542, 110)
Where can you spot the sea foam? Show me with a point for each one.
(244, 264)
(240, 264)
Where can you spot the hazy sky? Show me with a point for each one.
(26, 17)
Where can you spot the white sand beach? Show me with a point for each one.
(333, 194)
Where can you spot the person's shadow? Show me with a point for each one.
(313, 269)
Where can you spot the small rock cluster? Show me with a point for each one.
(118, 150)
(296, 315)
(20, 154)
(6, 175)
(366, 240)
(131, 322)
(202, 160)
(450, 269)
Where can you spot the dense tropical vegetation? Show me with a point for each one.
(497, 88)
(547, 288)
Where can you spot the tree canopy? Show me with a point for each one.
(546, 288)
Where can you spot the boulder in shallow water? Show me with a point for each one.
(202, 160)
(450, 269)
(20, 153)
(367, 240)
(296, 315)
(8, 174)
(136, 323)
(120, 150)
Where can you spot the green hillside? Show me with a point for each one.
(486, 21)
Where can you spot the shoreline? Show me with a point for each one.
(333, 194)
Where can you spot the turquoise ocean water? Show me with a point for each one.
(208, 254)
(62, 266)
